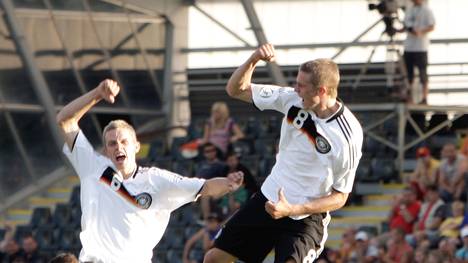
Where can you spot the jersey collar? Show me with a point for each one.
(339, 112)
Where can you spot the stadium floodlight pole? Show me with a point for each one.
(38, 81)
(273, 68)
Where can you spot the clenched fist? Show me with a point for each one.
(108, 90)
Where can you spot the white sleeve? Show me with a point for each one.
(269, 97)
(82, 156)
(345, 168)
(178, 190)
(430, 19)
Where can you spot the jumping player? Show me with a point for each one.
(319, 151)
(125, 207)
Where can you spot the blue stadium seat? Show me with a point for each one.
(384, 169)
(62, 215)
(41, 216)
(45, 237)
(21, 231)
(68, 238)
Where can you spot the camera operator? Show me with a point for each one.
(419, 21)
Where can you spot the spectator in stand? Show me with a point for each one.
(348, 243)
(404, 211)
(210, 167)
(464, 146)
(364, 251)
(220, 129)
(425, 172)
(206, 235)
(234, 165)
(450, 227)
(431, 215)
(30, 248)
(462, 253)
(10, 251)
(448, 248)
(435, 256)
(451, 173)
(420, 255)
(399, 251)
(64, 258)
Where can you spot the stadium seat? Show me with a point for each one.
(363, 172)
(252, 163)
(45, 237)
(175, 147)
(265, 167)
(21, 231)
(75, 195)
(183, 167)
(68, 238)
(157, 149)
(384, 169)
(41, 216)
(62, 215)
(174, 256)
(243, 147)
(266, 146)
(251, 128)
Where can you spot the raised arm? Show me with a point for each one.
(69, 116)
(238, 85)
(219, 186)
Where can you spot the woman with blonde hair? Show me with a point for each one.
(220, 129)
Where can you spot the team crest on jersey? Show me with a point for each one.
(322, 145)
(144, 200)
(266, 92)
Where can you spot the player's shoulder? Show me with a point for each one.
(158, 174)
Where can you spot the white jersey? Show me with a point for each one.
(315, 155)
(123, 220)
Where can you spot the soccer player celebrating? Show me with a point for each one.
(125, 207)
(319, 151)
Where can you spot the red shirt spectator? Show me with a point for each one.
(405, 211)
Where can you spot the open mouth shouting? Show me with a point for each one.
(120, 158)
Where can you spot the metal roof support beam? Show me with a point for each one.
(37, 79)
(273, 68)
(327, 45)
(76, 73)
(217, 22)
(167, 98)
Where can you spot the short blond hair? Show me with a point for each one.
(117, 124)
(323, 72)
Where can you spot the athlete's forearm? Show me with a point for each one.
(323, 204)
(216, 187)
(239, 82)
(70, 115)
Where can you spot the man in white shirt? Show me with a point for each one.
(319, 151)
(419, 22)
(125, 207)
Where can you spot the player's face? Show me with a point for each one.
(121, 147)
(306, 91)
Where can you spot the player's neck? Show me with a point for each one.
(129, 172)
(326, 108)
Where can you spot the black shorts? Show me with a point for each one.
(419, 60)
(251, 234)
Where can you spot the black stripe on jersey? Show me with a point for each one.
(348, 138)
(74, 141)
(339, 113)
(353, 145)
(347, 127)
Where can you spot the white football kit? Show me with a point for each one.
(315, 155)
(123, 220)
